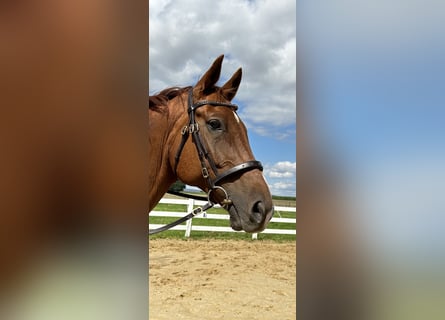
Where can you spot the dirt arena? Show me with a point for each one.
(222, 279)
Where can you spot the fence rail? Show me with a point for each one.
(188, 227)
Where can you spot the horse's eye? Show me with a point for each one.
(214, 124)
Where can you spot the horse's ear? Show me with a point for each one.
(209, 79)
(230, 88)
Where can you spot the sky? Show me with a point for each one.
(185, 36)
(375, 73)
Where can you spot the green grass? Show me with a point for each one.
(223, 223)
(283, 198)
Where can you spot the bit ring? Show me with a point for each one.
(226, 200)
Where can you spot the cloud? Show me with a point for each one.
(282, 169)
(281, 177)
(281, 188)
(259, 36)
(277, 133)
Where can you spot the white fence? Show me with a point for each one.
(188, 227)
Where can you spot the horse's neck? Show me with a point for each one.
(161, 175)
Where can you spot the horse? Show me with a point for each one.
(218, 159)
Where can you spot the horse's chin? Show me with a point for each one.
(235, 220)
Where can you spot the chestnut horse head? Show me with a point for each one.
(197, 136)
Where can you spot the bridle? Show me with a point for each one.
(192, 128)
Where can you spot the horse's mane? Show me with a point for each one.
(155, 102)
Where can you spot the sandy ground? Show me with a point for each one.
(219, 279)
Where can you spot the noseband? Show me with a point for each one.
(192, 128)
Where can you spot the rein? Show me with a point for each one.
(192, 128)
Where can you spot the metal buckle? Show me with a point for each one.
(205, 172)
(197, 211)
(193, 128)
(184, 130)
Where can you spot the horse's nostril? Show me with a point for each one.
(257, 214)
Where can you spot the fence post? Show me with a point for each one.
(254, 236)
(188, 224)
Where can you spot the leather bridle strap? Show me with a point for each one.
(246, 166)
(196, 211)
